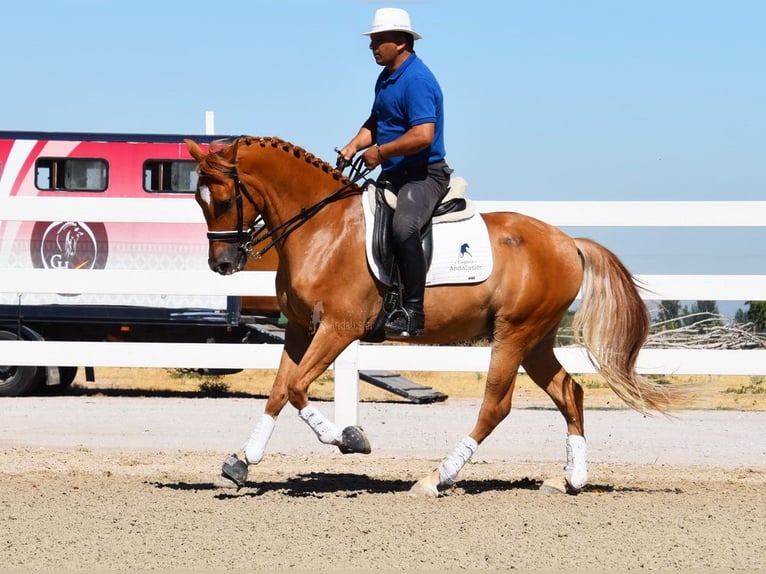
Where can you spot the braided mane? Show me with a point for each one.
(216, 164)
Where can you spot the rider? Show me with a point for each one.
(405, 136)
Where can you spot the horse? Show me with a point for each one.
(312, 214)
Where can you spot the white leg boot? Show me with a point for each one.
(576, 470)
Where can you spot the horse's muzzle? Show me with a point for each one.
(224, 268)
(227, 261)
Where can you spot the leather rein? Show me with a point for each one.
(258, 232)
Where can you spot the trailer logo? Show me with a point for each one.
(69, 245)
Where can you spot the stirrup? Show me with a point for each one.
(400, 324)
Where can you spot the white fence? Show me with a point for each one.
(362, 357)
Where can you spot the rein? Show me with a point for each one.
(257, 233)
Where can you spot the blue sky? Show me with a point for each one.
(545, 100)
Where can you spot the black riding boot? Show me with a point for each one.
(410, 321)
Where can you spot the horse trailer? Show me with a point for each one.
(42, 164)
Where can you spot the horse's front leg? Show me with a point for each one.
(324, 348)
(235, 467)
(303, 360)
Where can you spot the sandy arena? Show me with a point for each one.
(128, 483)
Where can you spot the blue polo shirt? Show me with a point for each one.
(409, 97)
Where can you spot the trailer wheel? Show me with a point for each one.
(16, 380)
(66, 376)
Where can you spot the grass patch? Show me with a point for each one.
(659, 379)
(209, 385)
(592, 383)
(756, 386)
(214, 387)
(186, 374)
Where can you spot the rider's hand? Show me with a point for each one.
(345, 155)
(347, 152)
(372, 157)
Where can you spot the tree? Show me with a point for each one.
(740, 316)
(668, 311)
(703, 310)
(705, 307)
(756, 314)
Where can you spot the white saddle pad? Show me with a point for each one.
(462, 252)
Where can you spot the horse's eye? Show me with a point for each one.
(223, 205)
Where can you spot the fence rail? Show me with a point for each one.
(356, 357)
(118, 282)
(559, 213)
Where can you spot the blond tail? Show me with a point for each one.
(612, 323)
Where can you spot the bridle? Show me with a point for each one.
(258, 233)
(239, 235)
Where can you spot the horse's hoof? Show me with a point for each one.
(424, 488)
(576, 480)
(555, 485)
(353, 440)
(225, 482)
(234, 470)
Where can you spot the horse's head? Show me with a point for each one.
(230, 211)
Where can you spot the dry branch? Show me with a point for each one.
(704, 331)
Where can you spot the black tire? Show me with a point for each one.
(17, 380)
(66, 376)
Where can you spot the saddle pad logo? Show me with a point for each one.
(464, 264)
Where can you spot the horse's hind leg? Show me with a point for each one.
(546, 371)
(498, 394)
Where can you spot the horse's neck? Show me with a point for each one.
(291, 190)
(290, 183)
(324, 244)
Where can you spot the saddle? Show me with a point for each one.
(454, 207)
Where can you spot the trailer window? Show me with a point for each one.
(166, 176)
(71, 174)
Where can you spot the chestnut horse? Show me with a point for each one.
(314, 216)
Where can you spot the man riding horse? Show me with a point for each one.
(404, 135)
(262, 189)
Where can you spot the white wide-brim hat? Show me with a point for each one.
(392, 20)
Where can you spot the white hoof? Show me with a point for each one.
(425, 487)
(554, 485)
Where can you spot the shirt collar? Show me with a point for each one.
(400, 70)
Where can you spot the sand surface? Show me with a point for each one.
(129, 483)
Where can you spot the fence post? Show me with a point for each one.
(347, 386)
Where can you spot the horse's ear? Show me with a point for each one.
(194, 149)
